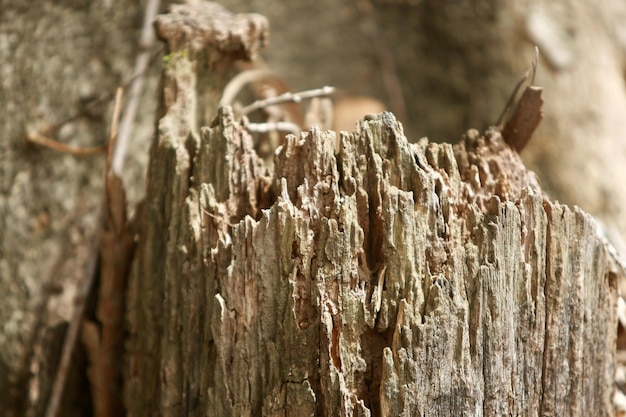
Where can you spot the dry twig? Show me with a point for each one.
(141, 65)
(40, 139)
(73, 331)
(104, 340)
(239, 81)
(273, 126)
(287, 97)
(511, 102)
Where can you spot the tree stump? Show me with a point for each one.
(390, 278)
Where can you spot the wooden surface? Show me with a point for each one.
(425, 279)
(56, 57)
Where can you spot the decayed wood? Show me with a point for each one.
(388, 279)
(422, 279)
(203, 41)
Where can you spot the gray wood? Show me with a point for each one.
(388, 279)
(57, 54)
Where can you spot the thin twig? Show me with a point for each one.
(136, 85)
(534, 66)
(219, 218)
(39, 139)
(72, 332)
(287, 97)
(273, 126)
(90, 271)
(113, 133)
(508, 107)
(239, 81)
(143, 60)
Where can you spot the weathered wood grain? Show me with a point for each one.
(388, 279)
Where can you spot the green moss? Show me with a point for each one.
(175, 56)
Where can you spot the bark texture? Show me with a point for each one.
(457, 62)
(388, 279)
(56, 56)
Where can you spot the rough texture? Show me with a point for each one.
(389, 278)
(451, 61)
(213, 38)
(457, 63)
(56, 56)
(194, 75)
(394, 278)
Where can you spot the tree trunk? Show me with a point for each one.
(387, 279)
(56, 56)
(454, 60)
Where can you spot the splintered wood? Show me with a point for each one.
(386, 279)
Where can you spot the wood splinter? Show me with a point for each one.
(522, 117)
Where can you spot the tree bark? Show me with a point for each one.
(387, 279)
(454, 61)
(56, 56)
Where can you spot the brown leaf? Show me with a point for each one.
(525, 118)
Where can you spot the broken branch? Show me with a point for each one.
(287, 97)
